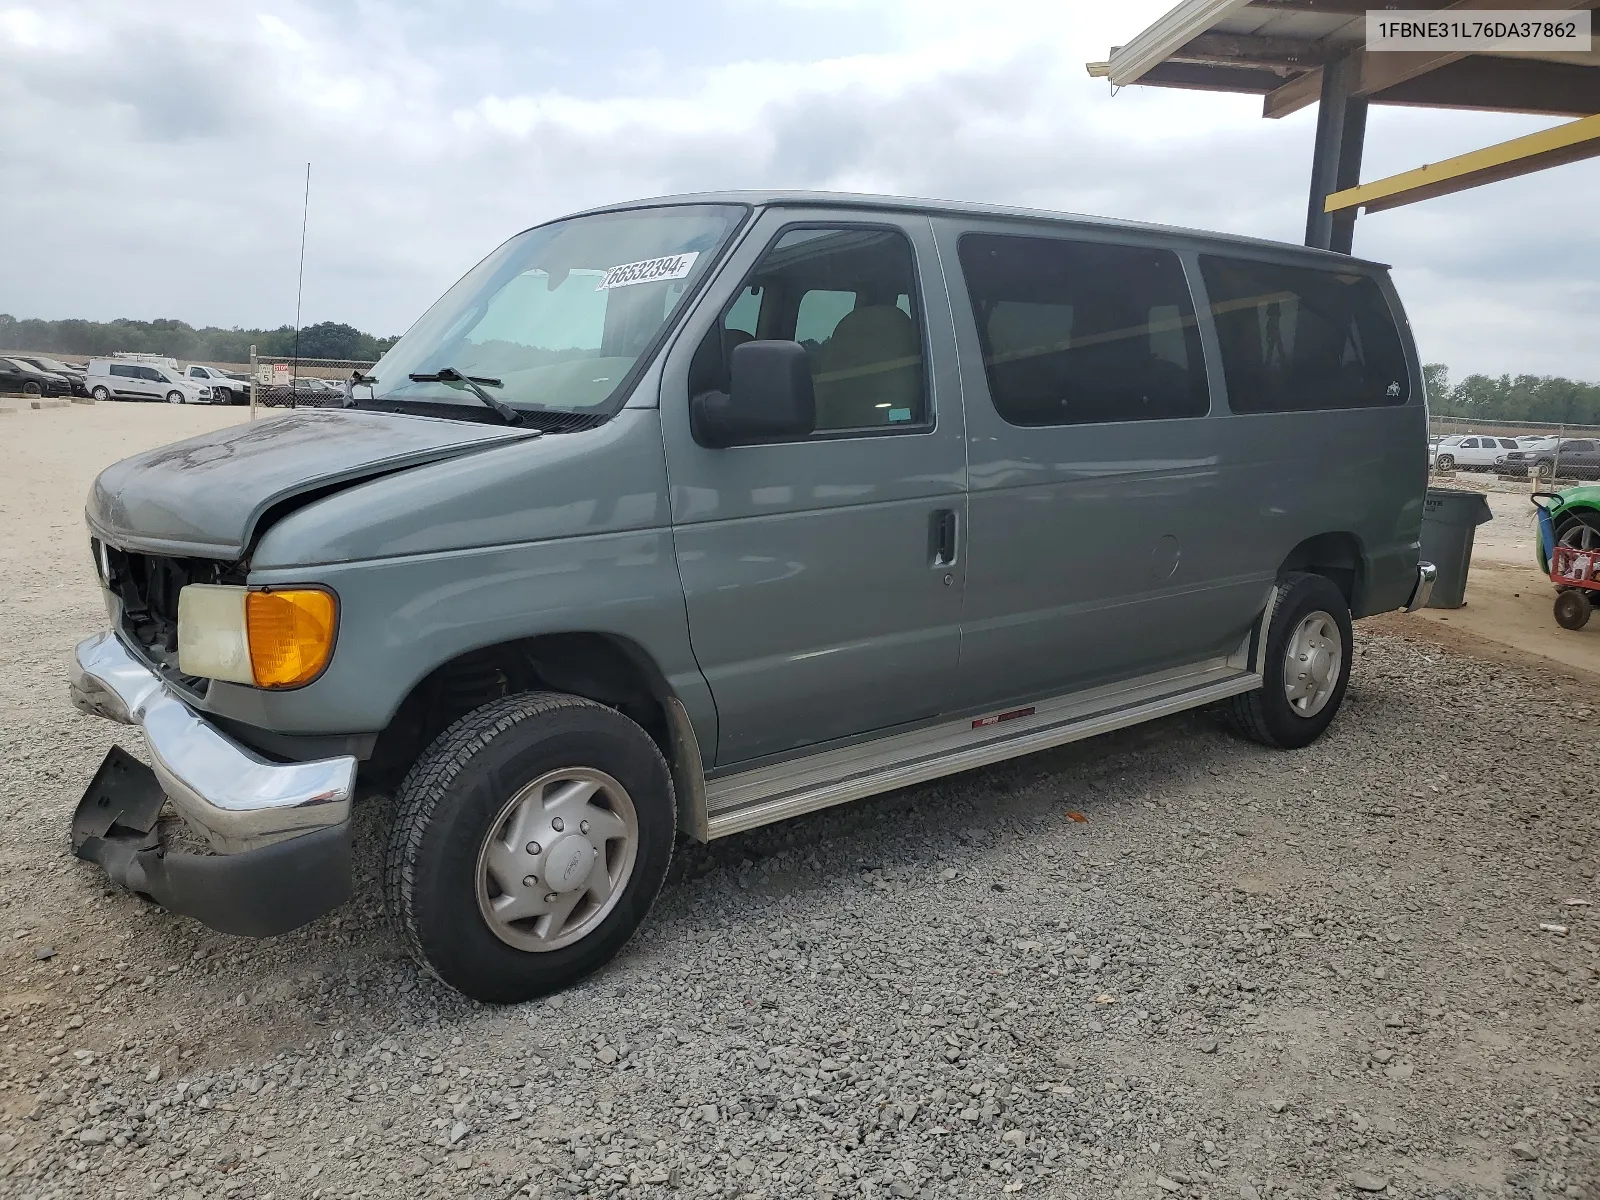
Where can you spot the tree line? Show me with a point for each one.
(178, 339)
(1548, 398)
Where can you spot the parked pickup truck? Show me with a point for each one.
(686, 516)
(226, 388)
(1568, 458)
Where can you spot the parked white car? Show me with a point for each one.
(1471, 452)
(110, 378)
(225, 388)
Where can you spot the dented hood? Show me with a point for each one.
(205, 496)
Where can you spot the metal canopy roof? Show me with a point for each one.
(1277, 48)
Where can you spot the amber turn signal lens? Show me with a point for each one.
(291, 635)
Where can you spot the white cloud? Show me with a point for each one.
(156, 152)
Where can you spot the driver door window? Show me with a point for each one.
(847, 296)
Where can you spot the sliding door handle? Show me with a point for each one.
(942, 538)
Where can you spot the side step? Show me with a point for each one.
(750, 799)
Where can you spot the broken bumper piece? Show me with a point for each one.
(280, 832)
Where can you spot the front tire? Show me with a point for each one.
(175, 397)
(1446, 462)
(1307, 666)
(1573, 609)
(529, 843)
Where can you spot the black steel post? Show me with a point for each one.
(1336, 160)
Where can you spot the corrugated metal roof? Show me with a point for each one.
(1277, 48)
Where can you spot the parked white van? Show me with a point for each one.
(110, 379)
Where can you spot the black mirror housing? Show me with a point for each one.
(769, 399)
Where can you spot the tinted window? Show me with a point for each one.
(1076, 332)
(125, 372)
(1582, 446)
(1296, 339)
(847, 296)
(1469, 443)
(1507, 444)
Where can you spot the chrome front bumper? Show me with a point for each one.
(238, 799)
(1426, 574)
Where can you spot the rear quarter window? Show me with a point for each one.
(1298, 339)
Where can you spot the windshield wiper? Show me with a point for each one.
(450, 375)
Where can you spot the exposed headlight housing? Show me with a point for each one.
(264, 637)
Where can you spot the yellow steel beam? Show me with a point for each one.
(1521, 156)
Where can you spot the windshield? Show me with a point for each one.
(558, 316)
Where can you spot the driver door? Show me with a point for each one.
(823, 576)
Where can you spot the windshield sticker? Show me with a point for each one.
(651, 270)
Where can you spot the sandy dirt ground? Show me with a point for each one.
(1508, 599)
(1163, 963)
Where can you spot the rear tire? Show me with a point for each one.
(1573, 609)
(1307, 667)
(100, 394)
(477, 799)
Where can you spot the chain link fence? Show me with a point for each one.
(1546, 455)
(283, 381)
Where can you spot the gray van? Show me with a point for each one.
(694, 514)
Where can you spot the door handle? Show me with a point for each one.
(942, 537)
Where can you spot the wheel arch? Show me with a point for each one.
(1337, 556)
(607, 668)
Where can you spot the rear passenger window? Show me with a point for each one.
(848, 297)
(125, 372)
(1296, 339)
(1080, 332)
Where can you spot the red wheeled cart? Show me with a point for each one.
(1574, 571)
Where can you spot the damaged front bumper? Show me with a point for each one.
(279, 832)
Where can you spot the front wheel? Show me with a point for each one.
(1446, 462)
(1307, 666)
(32, 389)
(529, 843)
(174, 397)
(1573, 609)
(1545, 471)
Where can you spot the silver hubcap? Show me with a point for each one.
(1580, 537)
(1312, 664)
(557, 859)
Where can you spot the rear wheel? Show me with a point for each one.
(1573, 532)
(1573, 609)
(1307, 666)
(100, 394)
(528, 845)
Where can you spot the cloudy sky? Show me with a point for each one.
(153, 152)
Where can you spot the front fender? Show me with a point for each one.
(401, 618)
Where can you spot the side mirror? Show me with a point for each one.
(769, 398)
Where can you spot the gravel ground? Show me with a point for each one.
(1164, 963)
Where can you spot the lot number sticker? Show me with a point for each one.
(651, 270)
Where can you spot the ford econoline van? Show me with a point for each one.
(681, 517)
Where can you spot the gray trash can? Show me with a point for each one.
(1450, 518)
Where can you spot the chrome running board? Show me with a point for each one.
(758, 797)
